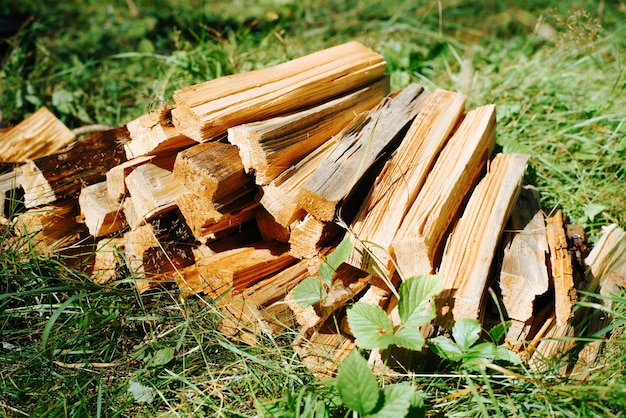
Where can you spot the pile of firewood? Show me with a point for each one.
(239, 191)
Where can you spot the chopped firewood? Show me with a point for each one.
(457, 169)
(8, 194)
(280, 197)
(116, 176)
(322, 350)
(308, 235)
(359, 146)
(153, 190)
(154, 133)
(50, 228)
(101, 215)
(61, 175)
(523, 275)
(269, 147)
(37, 136)
(562, 271)
(241, 267)
(398, 184)
(207, 110)
(206, 220)
(214, 171)
(269, 228)
(472, 244)
(107, 260)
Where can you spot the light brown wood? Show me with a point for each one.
(322, 350)
(154, 133)
(359, 146)
(213, 171)
(562, 271)
(63, 174)
(101, 215)
(37, 136)
(107, 260)
(153, 191)
(397, 186)
(269, 147)
(420, 237)
(116, 176)
(524, 275)
(471, 247)
(206, 111)
(269, 228)
(8, 194)
(309, 235)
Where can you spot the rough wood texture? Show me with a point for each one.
(207, 110)
(322, 350)
(37, 136)
(8, 194)
(359, 145)
(269, 228)
(457, 169)
(562, 271)
(62, 175)
(107, 260)
(471, 247)
(524, 275)
(269, 147)
(399, 182)
(153, 190)
(116, 176)
(154, 133)
(309, 235)
(101, 215)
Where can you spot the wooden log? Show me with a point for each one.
(108, 260)
(153, 191)
(419, 239)
(8, 195)
(116, 176)
(524, 275)
(397, 186)
(207, 110)
(269, 147)
(309, 235)
(269, 228)
(101, 215)
(358, 148)
(242, 267)
(561, 266)
(37, 136)
(213, 171)
(470, 250)
(322, 350)
(62, 175)
(51, 228)
(153, 134)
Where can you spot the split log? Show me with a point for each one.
(397, 186)
(39, 135)
(269, 228)
(107, 260)
(116, 176)
(420, 237)
(322, 350)
(8, 195)
(153, 134)
(207, 110)
(309, 235)
(524, 275)
(62, 175)
(101, 215)
(470, 250)
(153, 191)
(358, 148)
(269, 147)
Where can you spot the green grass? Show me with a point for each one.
(70, 348)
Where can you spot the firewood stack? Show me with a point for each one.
(239, 191)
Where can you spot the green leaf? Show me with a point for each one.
(141, 393)
(398, 399)
(466, 332)
(445, 348)
(162, 357)
(498, 332)
(334, 259)
(357, 385)
(309, 292)
(415, 306)
(368, 324)
(504, 354)
(485, 351)
(409, 338)
(591, 210)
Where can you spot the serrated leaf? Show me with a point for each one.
(141, 393)
(415, 306)
(499, 331)
(309, 292)
(466, 332)
(368, 324)
(398, 399)
(334, 259)
(409, 338)
(504, 354)
(162, 357)
(357, 385)
(483, 352)
(445, 348)
(591, 210)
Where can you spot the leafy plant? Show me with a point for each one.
(373, 328)
(466, 347)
